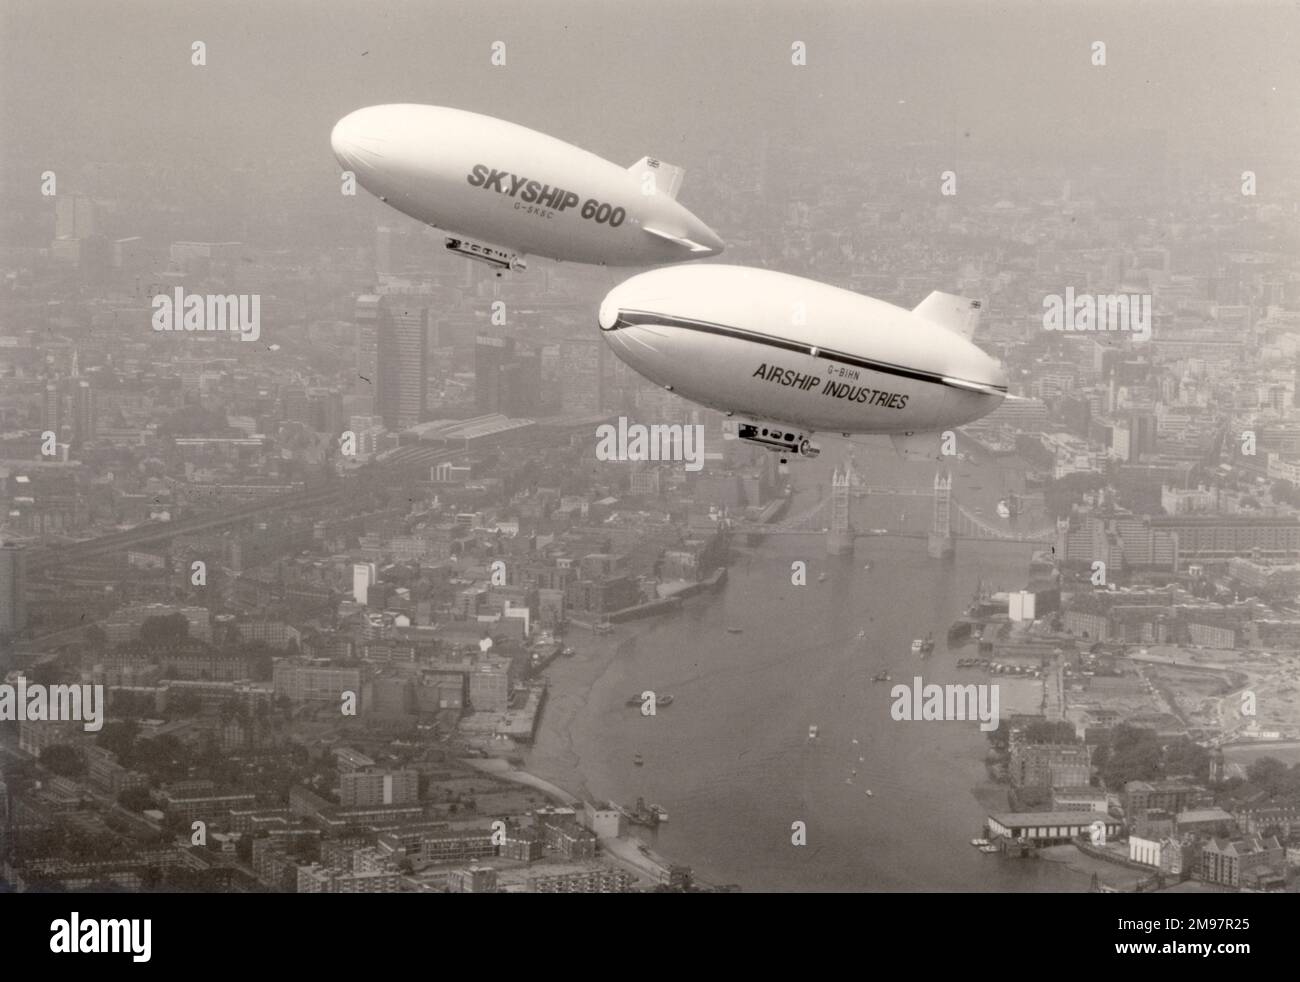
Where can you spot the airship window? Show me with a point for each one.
(765, 433)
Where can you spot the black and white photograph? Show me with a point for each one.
(752, 447)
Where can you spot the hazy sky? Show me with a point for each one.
(680, 79)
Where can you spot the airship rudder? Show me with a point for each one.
(961, 315)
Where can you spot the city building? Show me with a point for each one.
(1049, 828)
(300, 682)
(363, 578)
(370, 316)
(1250, 860)
(1044, 765)
(83, 414)
(402, 355)
(1169, 796)
(490, 684)
(587, 879)
(583, 389)
(472, 879)
(368, 788)
(13, 589)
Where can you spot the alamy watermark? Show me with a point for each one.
(102, 935)
(946, 702)
(38, 703)
(234, 312)
(658, 441)
(1098, 312)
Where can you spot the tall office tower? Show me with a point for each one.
(294, 406)
(583, 391)
(13, 589)
(363, 578)
(383, 251)
(403, 356)
(74, 217)
(52, 408)
(325, 408)
(491, 355)
(521, 382)
(83, 414)
(369, 314)
(1121, 442)
(436, 334)
(1142, 434)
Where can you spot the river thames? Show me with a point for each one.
(754, 665)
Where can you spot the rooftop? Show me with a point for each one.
(1204, 815)
(1021, 819)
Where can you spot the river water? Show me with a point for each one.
(731, 759)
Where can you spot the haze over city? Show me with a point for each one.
(909, 501)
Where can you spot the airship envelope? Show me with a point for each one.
(501, 191)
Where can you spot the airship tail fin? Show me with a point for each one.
(690, 244)
(667, 178)
(960, 315)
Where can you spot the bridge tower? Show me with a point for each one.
(942, 542)
(839, 534)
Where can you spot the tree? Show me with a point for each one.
(135, 799)
(183, 705)
(261, 666)
(47, 672)
(1048, 731)
(1267, 774)
(1135, 755)
(1287, 493)
(304, 849)
(119, 736)
(1034, 453)
(165, 630)
(1060, 496)
(63, 759)
(1185, 757)
(163, 758)
(1100, 755)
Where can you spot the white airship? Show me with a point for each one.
(502, 191)
(790, 357)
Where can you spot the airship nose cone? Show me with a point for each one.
(611, 308)
(607, 317)
(342, 138)
(357, 138)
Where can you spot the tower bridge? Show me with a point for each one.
(950, 519)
